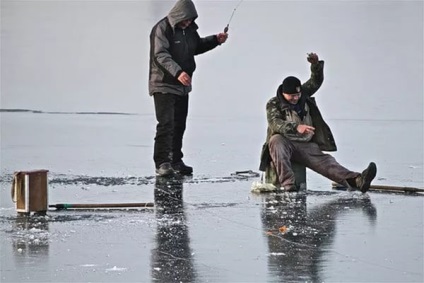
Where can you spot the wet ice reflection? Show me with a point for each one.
(172, 257)
(298, 237)
(31, 237)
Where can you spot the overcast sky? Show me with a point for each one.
(93, 56)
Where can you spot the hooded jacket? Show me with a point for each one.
(277, 109)
(172, 49)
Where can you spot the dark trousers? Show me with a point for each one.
(171, 114)
(283, 151)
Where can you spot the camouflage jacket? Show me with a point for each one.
(276, 110)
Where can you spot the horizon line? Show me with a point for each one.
(21, 110)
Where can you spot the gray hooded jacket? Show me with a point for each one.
(172, 49)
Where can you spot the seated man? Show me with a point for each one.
(297, 133)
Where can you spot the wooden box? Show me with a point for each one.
(30, 191)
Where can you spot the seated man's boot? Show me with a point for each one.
(181, 168)
(165, 169)
(363, 181)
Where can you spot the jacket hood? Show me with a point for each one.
(182, 10)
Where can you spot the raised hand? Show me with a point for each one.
(222, 37)
(312, 58)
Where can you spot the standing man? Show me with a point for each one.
(298, 133)
(174, 42)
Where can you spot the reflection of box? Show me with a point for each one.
(34, 242)
(30, 191)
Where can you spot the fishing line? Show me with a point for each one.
(232, 14)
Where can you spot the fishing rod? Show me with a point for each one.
(64, 206)
(337, 186)
(232, 14)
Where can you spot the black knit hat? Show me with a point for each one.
(291, 85)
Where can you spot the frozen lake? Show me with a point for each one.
(209, 227)
(68, 57)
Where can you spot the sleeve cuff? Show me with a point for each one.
(178, 74)
(317, 66)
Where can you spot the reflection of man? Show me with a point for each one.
(298, 237)
(171, 259)
(298, 133)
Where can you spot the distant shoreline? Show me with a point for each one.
(17, 110)
(64, 112)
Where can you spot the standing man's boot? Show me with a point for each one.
(165, 169)
(181, 168)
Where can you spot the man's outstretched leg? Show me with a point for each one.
(326, 165)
